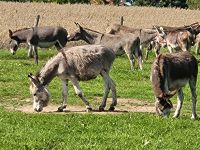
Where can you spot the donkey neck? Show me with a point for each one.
(49, 71)
(22, 35)
(92, 37)
(146, 37)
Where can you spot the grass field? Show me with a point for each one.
(88, 131)
(19, 130)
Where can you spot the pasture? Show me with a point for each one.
(120, 130)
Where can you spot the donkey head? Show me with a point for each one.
(79, 34)
(39, 92)
(163, 106)
(160, 38)
(14, 43)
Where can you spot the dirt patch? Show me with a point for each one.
(123, 106)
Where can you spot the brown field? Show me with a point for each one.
(98, 17)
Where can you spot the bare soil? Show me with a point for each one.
(123, 106)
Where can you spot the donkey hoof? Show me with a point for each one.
(111, 108)
(101, 108)
(88, 109)
(61, 108)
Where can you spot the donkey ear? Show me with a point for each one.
(10, 33)
(33, 80)
(162, 31)
(78, 25)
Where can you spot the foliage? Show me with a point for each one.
(162, 3)
(193, 4)
(157, 3)
(52, 1)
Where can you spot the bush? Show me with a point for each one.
(162, 3)
(52, 1)
(193, 4)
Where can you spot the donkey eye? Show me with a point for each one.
(34, 94)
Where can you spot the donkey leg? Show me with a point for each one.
(80, 93)
(109, 84)
(64, 95)
(197, 47)
(140, 61)
(106, 91)
(147, 54)
(169, 48)
(132, 61)
(148, 49)
(30, 51)
(157, 49)
(180, 99)
(35, 54)
(192, 84)
(138, 51)
(114, 96)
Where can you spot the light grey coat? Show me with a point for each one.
(80, 63)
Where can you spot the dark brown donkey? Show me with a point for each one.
(170, 72)
(44, 37)
(124, 43)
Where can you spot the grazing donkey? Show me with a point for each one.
(147, 36)
(80, 63)
(44, 37)
(129, 43)
(170, 72)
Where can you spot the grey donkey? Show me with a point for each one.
(80, 63)
(123, 43)
(43, 37)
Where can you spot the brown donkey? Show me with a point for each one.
(170, 72)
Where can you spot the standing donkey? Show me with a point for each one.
(44, 37)
(80, 63)
(170, 72)
(129, 43)
(147, 36)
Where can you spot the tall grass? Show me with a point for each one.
(98, 17)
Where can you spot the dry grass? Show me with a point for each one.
(18, 15)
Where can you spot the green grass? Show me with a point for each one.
(89, 131)
(76, 131)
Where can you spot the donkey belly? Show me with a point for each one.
(177, 84)
(46, 44)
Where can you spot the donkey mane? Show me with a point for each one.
(50, 62)
(20, 29)
(157, 77)
(92, 30)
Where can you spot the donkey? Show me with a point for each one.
(170, 72)
(197, 44)
(176, 39)
(193, 28)
(44, 37)
(129, 43)
(80, 63)
(147, 36)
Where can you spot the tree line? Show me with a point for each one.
(185, 4)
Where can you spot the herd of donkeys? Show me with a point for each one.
(170, 71)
